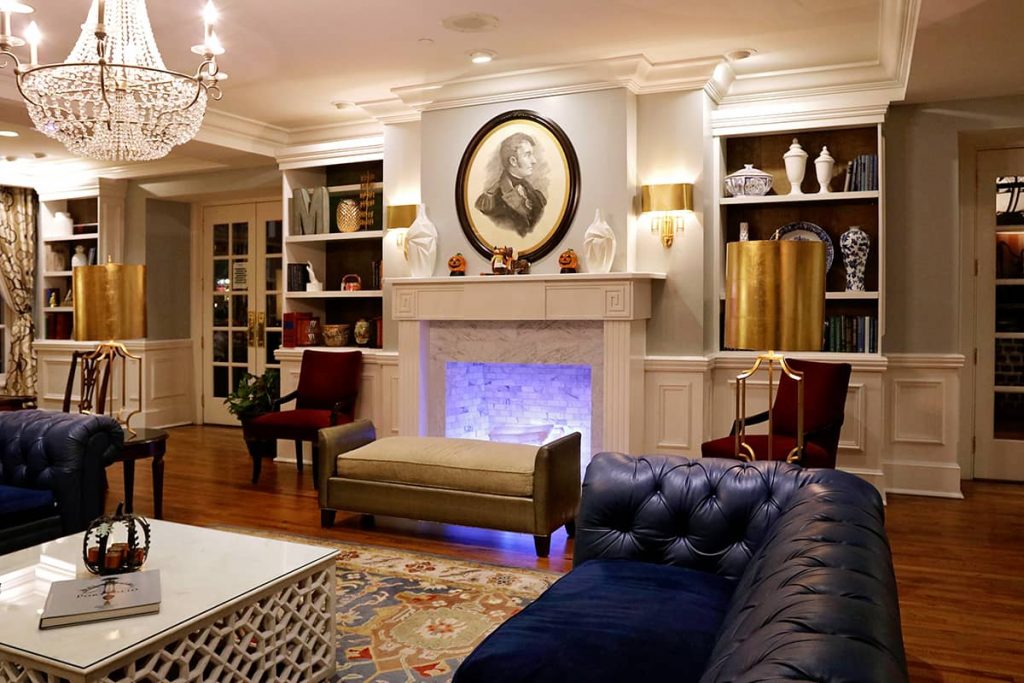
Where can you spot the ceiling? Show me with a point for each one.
(290, 62)
(967, 49)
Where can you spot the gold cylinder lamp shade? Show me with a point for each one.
(400, 216)
(109, 302)
(775, 295)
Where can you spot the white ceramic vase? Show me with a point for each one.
(599, 245)
(823, 169)
(63, 225)
(796, 166)
(421, 245)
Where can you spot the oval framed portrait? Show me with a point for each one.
(518, 185)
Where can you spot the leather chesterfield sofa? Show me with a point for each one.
(711, 571)
(52, 473)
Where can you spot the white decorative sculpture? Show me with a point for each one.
(796, 166)
(599, 245)
(823, 169)
(421, 245)
(314, 284)
(80, 258)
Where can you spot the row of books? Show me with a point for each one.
(862, 173)
(851, 334)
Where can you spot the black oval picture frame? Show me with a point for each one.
(505, 199)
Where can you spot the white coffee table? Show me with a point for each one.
(233, 608)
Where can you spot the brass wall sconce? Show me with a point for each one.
(399, 218)
(666, 204)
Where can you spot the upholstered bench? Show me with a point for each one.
(503, 486)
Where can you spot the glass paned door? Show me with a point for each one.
(999, 375)
(242, 299)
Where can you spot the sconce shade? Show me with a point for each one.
(774, 295)
(401, 216)
(109, 302)
(673, 197)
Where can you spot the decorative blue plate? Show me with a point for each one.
(807, 232)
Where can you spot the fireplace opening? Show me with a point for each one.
(525, 403)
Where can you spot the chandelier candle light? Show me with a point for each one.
(113, 98)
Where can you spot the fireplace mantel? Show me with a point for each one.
(576, 296)
(621, 302)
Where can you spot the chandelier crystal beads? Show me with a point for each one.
(113, 98)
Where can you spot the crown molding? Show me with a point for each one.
(634, 72)
(807, 111)
(241, 133)
(350, 150)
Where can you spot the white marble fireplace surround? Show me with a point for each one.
(588, 319)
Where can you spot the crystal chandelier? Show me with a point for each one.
(112, 98)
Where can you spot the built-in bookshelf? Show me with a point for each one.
(854, 319)
(338, 257)
(60, 247)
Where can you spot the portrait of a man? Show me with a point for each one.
(517, 185)
(512, 201)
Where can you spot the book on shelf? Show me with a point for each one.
(298, 277)
(80, 601)
(851, 334)
(862, 174)
(290, 328)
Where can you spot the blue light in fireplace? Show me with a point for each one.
(518, 402)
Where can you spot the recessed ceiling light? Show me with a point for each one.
(425, 41)
(474, 22)
(741, 54)
(8, 134)
(482, 56)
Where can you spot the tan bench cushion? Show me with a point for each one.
(457, 464)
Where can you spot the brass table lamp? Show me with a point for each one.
(774, 301)
(110, 305)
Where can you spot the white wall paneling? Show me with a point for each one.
(923, 419)
(166, 382)
(676, 392)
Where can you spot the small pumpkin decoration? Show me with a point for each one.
(115, 544)
(457, 265)
(569, 261)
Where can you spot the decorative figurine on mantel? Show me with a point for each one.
(457, 265)
(569, 262)
(521, 267)
(502, 260)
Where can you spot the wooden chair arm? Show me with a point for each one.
(750, 420)
(285, 399)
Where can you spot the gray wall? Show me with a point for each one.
(922, 222)
(167, 269)
(599, 124)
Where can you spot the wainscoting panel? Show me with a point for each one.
(166, 382)
(923, 418)
(674, 399)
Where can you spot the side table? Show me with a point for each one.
(147, 443)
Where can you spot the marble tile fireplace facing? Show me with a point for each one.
(597, 320)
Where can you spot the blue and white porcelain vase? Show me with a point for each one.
(855, 245)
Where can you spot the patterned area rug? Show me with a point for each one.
(405, 616)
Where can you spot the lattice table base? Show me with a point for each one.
(286, 634)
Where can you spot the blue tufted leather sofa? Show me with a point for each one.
(52, 473)
(711, 571)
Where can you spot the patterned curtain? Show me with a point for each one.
(17, 283)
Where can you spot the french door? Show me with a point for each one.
(242, 301)
(999, 376)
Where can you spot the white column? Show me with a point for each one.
(625, 344)
(413, 338)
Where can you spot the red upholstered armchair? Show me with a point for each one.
(326, 396)
(825, 386)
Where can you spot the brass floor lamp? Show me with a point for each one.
(774, 301)
(110, 305)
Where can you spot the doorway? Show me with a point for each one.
(242, 299)
(999, 315)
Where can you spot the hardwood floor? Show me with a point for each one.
(959, 563)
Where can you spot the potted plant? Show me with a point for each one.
(254, 396)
